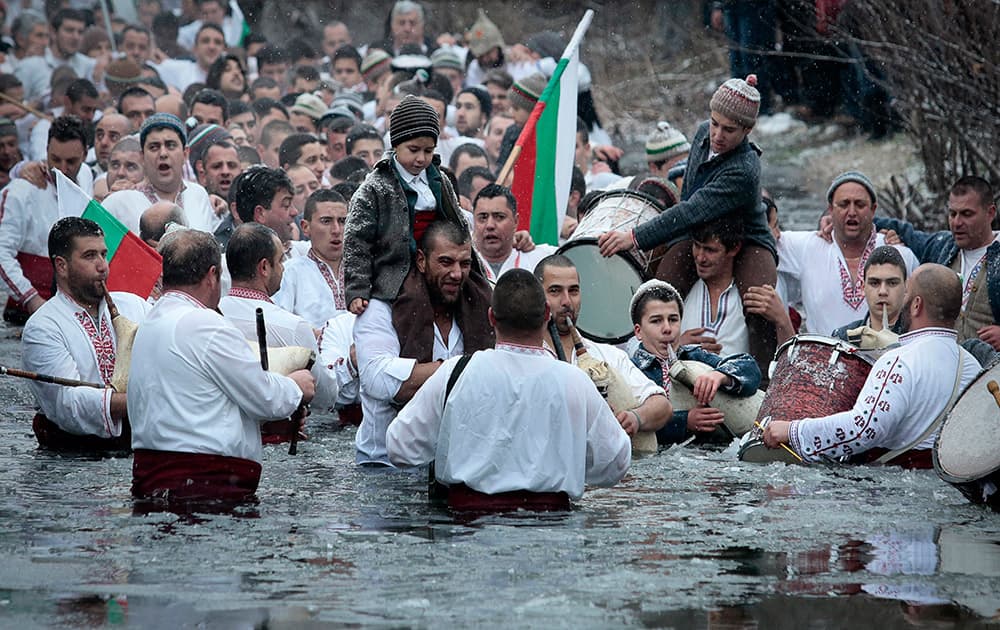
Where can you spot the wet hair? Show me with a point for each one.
(258, 186)
(137, 28)
(149, 231)
(67, 128)
(248, 245)
(271, 54)
(453, 232)
(291, 148)
(265, 83)
(207, 26)
(79, 89)
(465, 179)
(361, 132)
(470, 149)
(974, 183)
(347, 52)
(886, 255)
(237, 107)
(323, 195)
(64, 232)
(215, 98)
(728, 230)
(666, 294)
(188, 255)
(518, 302)
(555, 260)
(492, 191)
(62, 15)
(347, 166)
(262, 106)
(134, 92)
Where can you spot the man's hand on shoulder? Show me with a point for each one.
(991, 335)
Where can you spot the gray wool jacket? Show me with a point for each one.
(728, 184)
(378, 237)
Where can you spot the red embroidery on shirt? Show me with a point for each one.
(336, 284)
(103, 343)
(249, 294)
(854, 291)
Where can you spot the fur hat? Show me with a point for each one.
(851, 176)
(665, 143)
(483, 35)
(413, 118)
(738, 100)
(160, 120)
(526, 92)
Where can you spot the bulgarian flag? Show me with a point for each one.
(133, 266)
(545, 150)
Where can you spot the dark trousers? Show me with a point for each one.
(750, 27)
(754, 266)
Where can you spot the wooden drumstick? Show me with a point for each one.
(783, 445)
(995, 390)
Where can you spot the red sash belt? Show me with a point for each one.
(193, 476)
(39, 272)
(52, 437)
(421, 219)
(912, 459)
(465, 499)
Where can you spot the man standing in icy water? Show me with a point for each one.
(513, 428)
(906, 391)
(197, 393)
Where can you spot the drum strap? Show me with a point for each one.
(891, 455)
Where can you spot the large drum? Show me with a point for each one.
(609, 283)
(967, 450)
(813, 376)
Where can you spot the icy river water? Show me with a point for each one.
(691, 539)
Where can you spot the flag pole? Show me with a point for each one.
(574, 43)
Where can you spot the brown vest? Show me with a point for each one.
(977, 312)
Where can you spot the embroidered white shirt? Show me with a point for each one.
(306, 292)
(728, 326)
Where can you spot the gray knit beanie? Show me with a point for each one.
(413, 118)
(851, 176)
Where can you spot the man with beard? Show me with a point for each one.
(71, 336)
(162, 140)
(390, 376)
(10, 153)
(561, 283)
(908, 388)
(26, 215)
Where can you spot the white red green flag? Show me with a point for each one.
(544, 168)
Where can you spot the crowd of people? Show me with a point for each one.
(346, 201)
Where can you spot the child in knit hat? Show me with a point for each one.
(722, 179)
(404, 193)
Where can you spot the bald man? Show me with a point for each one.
(154, 220)
(907, 390)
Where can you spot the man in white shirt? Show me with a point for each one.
(713, 311)
(209, 43)
(162, 140)
(906, 390)
(71, 336)
(561, 283)
(313, 285)
(197, 393)
(515, 429)
(67, 36)
(390, 376)
(495, 222)
(26, 215)
(253, 257)
(214, 12)
(831, 274)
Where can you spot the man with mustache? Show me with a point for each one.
(820, 266)
(71, 336)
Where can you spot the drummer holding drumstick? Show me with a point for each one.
(907, 389)
(722, 179)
